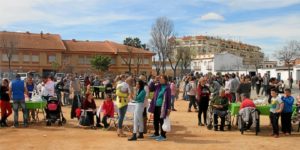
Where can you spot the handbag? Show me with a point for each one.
(167, 124)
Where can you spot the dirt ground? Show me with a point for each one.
(185, 135)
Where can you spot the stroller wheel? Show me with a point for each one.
(209, 126)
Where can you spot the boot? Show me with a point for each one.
(141, 135)
(3, 122)
(133, 138)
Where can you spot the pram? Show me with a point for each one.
(53, 112)
(248, 116)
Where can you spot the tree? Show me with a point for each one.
(161, 32)
(101, 63)
(288, 54)
(174, 55)
(128, 59)
(9, 43)
(134, 42)
(187, 54)
(139, 61)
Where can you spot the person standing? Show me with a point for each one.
(4, 103)
(75, 87)
(123, 92)
(173, 94)
(253, 81)
(234, 84)
(17, 89)
(160, 106)
(191, 92)
(138, 125)
(244, 87)
(31, 87)
(203, 94)
(96, 84)
(258, 83)
(287, 111)
(276, 108)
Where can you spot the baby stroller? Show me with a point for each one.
(210, 118)
(248, 116)
(53, 112)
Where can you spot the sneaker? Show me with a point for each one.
(153, 136)
(189, 110)
(160, 138)
(174, 110)
(276, 136)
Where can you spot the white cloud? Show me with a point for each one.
(212, 16)
(257, 4)
(61, 12)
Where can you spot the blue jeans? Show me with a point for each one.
(172, 101)
(122, 112)
(16, 105)
(138, 118)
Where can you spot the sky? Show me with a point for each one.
(269, 24)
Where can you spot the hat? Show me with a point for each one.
(18, 76)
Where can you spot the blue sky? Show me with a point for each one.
(269, 24)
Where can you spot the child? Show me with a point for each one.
(287, 111)
(275, 110)
(108, 110)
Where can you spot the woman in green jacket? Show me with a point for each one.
(138, 112)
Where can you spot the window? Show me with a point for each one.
(146, 61)
(81, 60)
(88, 60)
(195, 63)
(51, 58)
(4, 57)
(35, 58)
(15, 58)
(113, 61)
(26, 58)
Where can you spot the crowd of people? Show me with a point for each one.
(155, 95)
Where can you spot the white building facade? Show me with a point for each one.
(222, 62)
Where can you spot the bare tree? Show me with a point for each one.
(128, 60)
(288, 54)
(174, 55)
(9, 43)
(187, 54)
(139, 61)
(161, 32)
(157, 65)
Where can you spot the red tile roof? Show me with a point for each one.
(100, 46)
(35, 41)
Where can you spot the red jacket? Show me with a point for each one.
(247, 103)
(108, 108)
